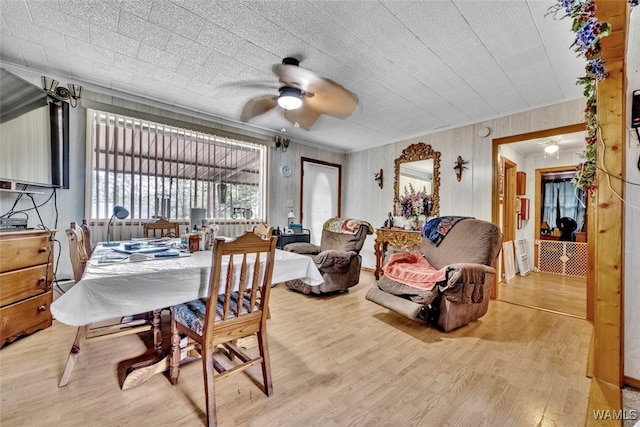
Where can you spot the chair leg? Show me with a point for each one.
(263, 346)
(81, 337)
(157, 331)
(209, 386)
(174, 358)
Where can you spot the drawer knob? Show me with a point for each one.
(42, 308)
(42, 279)
(42, 249)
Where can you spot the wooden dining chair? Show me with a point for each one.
(86, 235)
(162, 228)
(239, 287)
(263, 230)
(110, 328)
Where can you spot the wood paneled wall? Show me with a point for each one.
(472, 195)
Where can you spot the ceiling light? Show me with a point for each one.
(551, 147)
(290, 98)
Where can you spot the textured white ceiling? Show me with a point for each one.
(416, 66)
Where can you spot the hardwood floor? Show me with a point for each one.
(336, 361)
(552, 292)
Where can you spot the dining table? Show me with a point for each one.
(120, 283)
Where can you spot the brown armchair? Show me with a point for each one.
(466, 253)
(338, 256)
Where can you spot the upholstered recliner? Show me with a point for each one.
(465, 250)
(338, 256)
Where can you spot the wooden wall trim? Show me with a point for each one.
(633, 382)
(544, 133)
(609, 238)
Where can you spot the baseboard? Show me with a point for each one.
(633, 382)
(592, 349)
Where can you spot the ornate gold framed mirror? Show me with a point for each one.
(419, 165)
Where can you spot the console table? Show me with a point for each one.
(397, 238)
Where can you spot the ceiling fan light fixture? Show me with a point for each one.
(290, 98)
(551, 147)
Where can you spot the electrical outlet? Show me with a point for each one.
(289, 203)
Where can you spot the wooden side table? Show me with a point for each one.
(285, 239)
(397, 238)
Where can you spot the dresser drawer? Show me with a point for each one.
(20, 284)
(25, 317)
(24, 252)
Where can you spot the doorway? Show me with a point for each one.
(321, 194)
(550, 292)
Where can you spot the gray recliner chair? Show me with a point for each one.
(467, 251)
(338, 256)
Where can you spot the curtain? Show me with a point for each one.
(561, 198)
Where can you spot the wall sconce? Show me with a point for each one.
(459, 167)
(378, 177)
(61, 93)
(281, 142)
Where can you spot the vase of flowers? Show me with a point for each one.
(415, 205)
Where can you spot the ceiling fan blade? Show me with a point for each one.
(334, 100)
(304, 116)
(301, 78)
(256, 84)
(257, 106)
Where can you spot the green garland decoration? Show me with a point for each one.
(588, 32)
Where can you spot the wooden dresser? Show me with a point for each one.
(26, 276)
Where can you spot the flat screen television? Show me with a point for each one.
(34, 135)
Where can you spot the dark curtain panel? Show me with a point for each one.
(561, 198)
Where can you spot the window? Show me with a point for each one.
(561, 198)
(156, 170)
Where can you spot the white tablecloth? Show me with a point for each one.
(126, 288)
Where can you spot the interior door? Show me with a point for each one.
(321, 190)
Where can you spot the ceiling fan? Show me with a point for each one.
(303, 95)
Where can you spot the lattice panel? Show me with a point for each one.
(563, 258)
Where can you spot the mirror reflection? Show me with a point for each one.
(419, 174)
(419, 167)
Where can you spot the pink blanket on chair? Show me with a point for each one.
(411, 269)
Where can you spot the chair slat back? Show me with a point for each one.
(87, 238)
(77, 250)
(247, 262)
(164, 227)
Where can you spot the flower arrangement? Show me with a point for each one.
(588, 32)
(415, 203)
